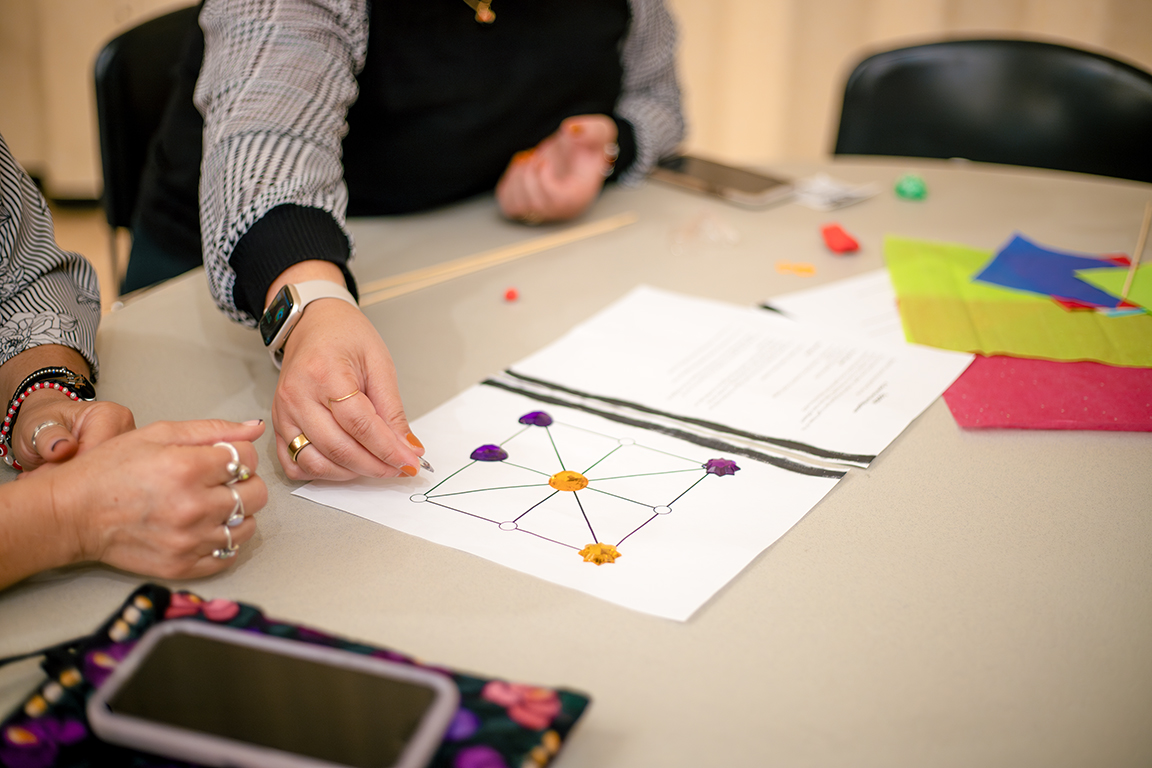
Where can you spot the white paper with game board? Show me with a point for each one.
(652, 505)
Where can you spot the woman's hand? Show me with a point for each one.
(562, 175)
(154, 501)
(338, 387)
(64, 428)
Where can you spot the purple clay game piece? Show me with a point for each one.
(720, 467)
(489, 453)
(536, 418)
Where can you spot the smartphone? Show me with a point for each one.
(739, 185)
(222, 696)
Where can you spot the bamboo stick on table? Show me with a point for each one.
(425, 277)
(1135, 262)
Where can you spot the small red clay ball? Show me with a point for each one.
(511, 294)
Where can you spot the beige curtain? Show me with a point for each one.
(763, 79)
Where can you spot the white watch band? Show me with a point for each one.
(322, 289)
(304, 294)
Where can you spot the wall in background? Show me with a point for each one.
(47, 105)
(762, 79)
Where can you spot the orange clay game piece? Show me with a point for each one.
(800, 268)
(567, 480)
(600, 553)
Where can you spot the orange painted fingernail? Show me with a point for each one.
(409, 470)
(414, 441)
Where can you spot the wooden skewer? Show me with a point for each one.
(1139, 250)
(398, 285)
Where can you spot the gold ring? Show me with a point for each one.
(342, 399)
(298, 444)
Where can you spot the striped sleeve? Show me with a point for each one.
(47, 295)
(650, 99)
(276, 83)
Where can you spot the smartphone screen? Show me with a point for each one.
(253, 695)
(721, 176)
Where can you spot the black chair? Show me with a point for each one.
(1002, 101)
(134, 77)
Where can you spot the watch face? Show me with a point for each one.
(275, 315)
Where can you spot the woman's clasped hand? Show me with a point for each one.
(171, 500)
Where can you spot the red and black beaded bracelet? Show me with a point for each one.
(58, 378)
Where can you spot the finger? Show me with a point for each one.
(208, 561)
(209, 466)
(510, 192)
(100, 423)
(535, 202)
(204, 431)
(239, 462)
(331, 452)
(235, 503)
(558, 159)
(228, 462)
(385, 438)
(309, 463)
(568, 196)
(51, 441)
(180, 561)
(588, 131)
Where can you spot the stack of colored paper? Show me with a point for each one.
(1063, 349)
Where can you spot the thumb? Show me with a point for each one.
(53, 442)
(204, 431)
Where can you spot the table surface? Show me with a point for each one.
(973, 598)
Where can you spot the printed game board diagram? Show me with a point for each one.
(577, 488)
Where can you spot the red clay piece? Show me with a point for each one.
(837, 240)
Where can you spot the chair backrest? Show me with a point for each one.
(134, 75)
(1002, 101)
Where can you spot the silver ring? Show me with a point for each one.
(239, 472)
(236, 516)
(228, 551)
(36, 432)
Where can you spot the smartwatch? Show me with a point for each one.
(286, 309)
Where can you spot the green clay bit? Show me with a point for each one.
(911, 187)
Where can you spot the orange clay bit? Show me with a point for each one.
(511, 294)
(568, 480)
(21, 737)
(413, 440)
(801, 269)
(600, 553)
(35, 706)
(576, 128)
(523, 155)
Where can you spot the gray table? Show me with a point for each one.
(974, 598)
